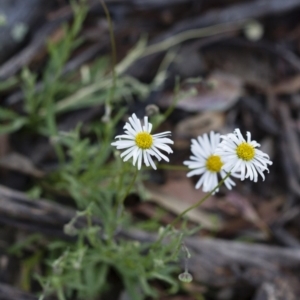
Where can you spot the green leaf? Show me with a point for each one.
(13, 126)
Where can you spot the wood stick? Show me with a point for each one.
(8, 292)
(212, 262)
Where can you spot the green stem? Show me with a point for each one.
(52, 128)
(121, 175)
(193, 34)
(89, 218)
(189, 209)
(176, 98)
(60, 294)
(173, 104)
(120, 203)
(118, 209)
(114, 56)
(199, 202)
(130, 186)
(172, 167)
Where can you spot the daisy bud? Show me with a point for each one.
(185, 277)
(152, 110)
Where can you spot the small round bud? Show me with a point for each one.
(254, 31)
(107, 115)
(69, 229)
(2, 20)
(152, 110)
(19, 31)
(185, 277)
(158, 263)
(136, 244)
(211, 84)
(85, 73)
(161, 231)
(105, 119)
(56, 268)
(77, 265)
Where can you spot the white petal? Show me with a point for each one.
(212, 137)
(196, 172)
(145, 127)
(151, 152)
(166, 133)
(137, 123)
(129, 150)
(194, 165)
(237, 165)
(200, 182)
(140, 160)
(239, 135)
(248, 137)
(131, 130)
(151, 161)
(146, 161)
(125, 144)
(261, 173)
(136, 153)
(163, 140)
(163, 147)
(160, 154)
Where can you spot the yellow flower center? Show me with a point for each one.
(214, 163)
(245, 151)
(144, 140)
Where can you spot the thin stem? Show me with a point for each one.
(189, 209)
(60, 294)
(119, 207)
(121, 175)
(114, 56)
(199, 202)
(172, 167)
(52, 127)
(176, 98)
(130, 186)
(193, 34)
(89, 218)
(173, 104)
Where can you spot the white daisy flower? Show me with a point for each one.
(142, 144)
(207, 163)
(242, 156)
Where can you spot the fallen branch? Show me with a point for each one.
(234, 14)
(214, 261)
(8, 292)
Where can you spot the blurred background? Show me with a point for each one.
(231, 64)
